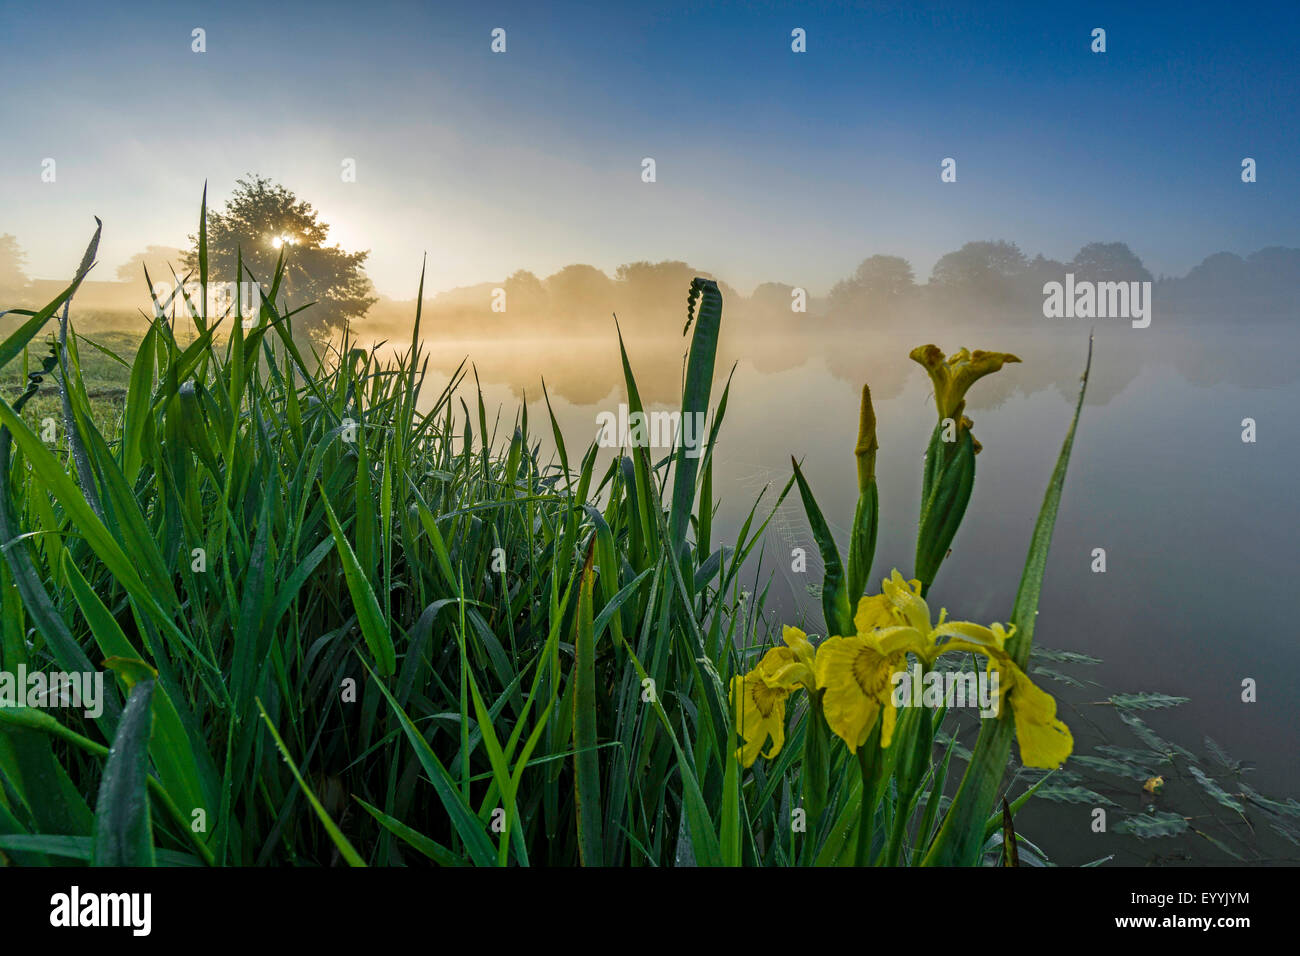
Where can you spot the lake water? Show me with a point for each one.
(1199, 527)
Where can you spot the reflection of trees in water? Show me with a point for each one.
(987, 294)
(587, 371)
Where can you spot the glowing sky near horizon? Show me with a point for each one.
(770, 165)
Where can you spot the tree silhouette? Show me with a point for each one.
(987, 269)
(877, 287)
(1109, 262)
(261, 221)
(13, 278)
(526, 294)
(580, 295)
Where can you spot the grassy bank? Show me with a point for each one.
(346, 618)
(360, 625)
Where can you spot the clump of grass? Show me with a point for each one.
(375, 626)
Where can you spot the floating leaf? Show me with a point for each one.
(1158, 824)
(1074, 795)
(1291, 808)
(1109, 765)
(1146, 701)
(1057, 676)
(1062, 657)
(1220, 795)
(1151, 738)
(1145, 759)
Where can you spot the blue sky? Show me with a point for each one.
(771, 165)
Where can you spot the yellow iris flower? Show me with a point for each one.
(957, 373)
(758, 698)
(760, 714)
(1044, 740)
(792, 666)
(857, 672)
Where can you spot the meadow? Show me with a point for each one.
(352, 620)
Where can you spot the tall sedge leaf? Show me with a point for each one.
(695, 399)
(203, 254)
(135, 417)
(172, 752)
(345, 848)
(500, 771)
(646, 520)
(123, 834)
(586, 759)
(430, 848)
(703, 837)
(55, 478)
(28, 582)
(729, 842)
(35, 719)
(1024, 613)
(466, 824)
(835, 595)
(369, 617)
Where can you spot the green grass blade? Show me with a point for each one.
(431, 848)
(369, 616)
(123, 832)
(467, 825)
(586, 761)
(349, 852)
